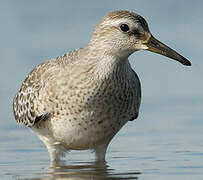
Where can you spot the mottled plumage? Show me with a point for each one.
(82, 99)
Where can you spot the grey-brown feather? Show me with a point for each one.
(23, 105)
(24, 108)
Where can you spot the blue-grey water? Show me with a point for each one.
(166, 142)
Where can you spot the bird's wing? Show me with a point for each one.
(25, 102)
(28, 105)
(136, 87)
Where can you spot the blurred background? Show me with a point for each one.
(172, 98)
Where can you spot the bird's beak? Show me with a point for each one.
(156, 46)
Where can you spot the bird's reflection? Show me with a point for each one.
(86, 171)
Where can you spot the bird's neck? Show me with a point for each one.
(108, 65)
(100, 48)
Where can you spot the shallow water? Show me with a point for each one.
(164, 143)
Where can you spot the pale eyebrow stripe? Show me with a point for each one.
(113, 22)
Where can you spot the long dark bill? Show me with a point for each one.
(158, 47)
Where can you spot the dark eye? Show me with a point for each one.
(124, 27)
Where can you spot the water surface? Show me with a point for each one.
(159, 145)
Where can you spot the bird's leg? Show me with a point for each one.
(56, 152)
(56, 149)
(100, 152)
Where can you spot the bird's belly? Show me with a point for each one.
(86, 133)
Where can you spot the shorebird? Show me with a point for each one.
(82, 99)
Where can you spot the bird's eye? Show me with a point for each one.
(124, 27)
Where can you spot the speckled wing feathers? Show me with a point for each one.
(24, 107)
(28, 105)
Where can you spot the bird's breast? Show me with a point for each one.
(88, 116)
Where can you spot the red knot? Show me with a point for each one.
(82, 99)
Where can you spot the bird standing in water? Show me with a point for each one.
(82, 99)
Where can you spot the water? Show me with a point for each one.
(157, 146)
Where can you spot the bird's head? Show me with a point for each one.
(121, 33)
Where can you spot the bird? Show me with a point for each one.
(80, 100)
